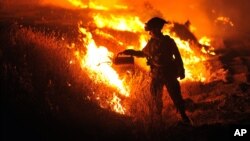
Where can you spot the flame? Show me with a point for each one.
(90, 5)
(205, 41)
(143, 41)
(107, 36)
(191, 59)
(97, 59)
(97, 6)
(193, 63)
(117, 106)
(97, 62)
(121, 23)
(78, 3)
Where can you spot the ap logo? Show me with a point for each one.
(240, 132)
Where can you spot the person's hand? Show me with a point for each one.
(128, 52)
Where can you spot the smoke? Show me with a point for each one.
(202, 14)
(178, 11)
(237, 11)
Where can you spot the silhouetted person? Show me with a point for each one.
(166, 66)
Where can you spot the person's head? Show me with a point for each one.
(154, 26)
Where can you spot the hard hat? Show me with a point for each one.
(155, 23)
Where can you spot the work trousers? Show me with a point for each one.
(174, 91)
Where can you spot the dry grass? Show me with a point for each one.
(46, 58)
(39, 64)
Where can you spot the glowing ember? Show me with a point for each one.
(224, 20)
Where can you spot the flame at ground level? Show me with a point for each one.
(97, 62)
(97, 59)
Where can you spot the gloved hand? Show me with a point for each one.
(128, 52)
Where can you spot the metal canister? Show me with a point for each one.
(123, 59)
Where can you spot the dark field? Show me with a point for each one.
(45, 98)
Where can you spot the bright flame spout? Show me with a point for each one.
(97, 61)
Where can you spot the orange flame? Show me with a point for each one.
(96, 6)
(121, 23)
(97, 59)
(117, 106)
(97, 62)
(205, 41)
(193, 63)
(78, 3)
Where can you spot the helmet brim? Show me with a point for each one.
(155, 23)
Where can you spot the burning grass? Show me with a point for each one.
(46, 69)
(60, 57)
(49, 74)
(49, 65)
(51, 56)
(42, 80)
(97, 60)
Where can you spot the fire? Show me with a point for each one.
(97, 62)
(116, 103)
(121, 23)
(96, 6)
(78, 3)
(205, 41)
(97, 59)
(107, 36)
(91, 5)
(193, 63)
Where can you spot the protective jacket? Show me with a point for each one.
(163, 54)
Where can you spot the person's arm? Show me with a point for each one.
(132, 52)
(143, 53)
(178, 59)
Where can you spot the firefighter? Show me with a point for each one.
(166, 66)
